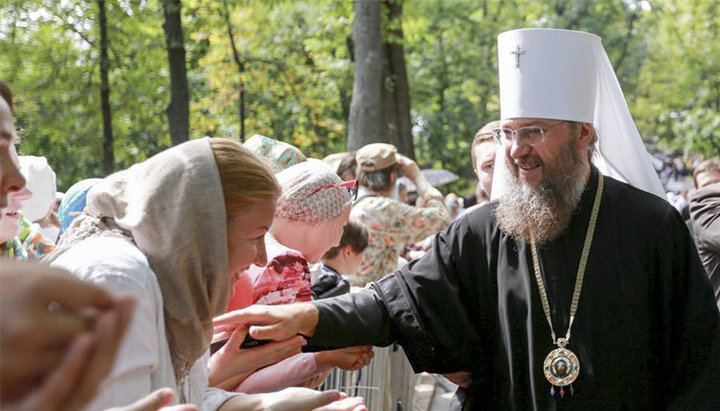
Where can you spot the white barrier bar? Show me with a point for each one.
(387, 383)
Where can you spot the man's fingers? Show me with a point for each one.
(236, 338)
(275, 351)
(254, 314)
(275, 332)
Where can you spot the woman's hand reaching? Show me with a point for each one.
(230, 365)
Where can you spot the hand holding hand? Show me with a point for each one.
(297, 399)
(271, 322)
(230, 365)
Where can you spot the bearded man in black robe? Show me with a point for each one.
(612, 311)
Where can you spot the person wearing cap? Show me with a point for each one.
(578, 288)
(391, 223)
(482, 153)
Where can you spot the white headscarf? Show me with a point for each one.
(41, 182)
(567, 75)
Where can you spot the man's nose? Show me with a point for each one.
(519, 149)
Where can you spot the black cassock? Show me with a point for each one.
(647, 330)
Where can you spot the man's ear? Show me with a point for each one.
(347, 250)
(586, 133)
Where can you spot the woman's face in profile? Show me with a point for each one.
(246, 236)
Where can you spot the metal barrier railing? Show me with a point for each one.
(387, 383)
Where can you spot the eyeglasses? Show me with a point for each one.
(531, 135)
(350, 186)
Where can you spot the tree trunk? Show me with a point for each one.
(178, 111)
(397, 96)
(241, 69)
(365, 124)
(108, 154)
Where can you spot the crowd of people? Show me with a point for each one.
(225, 276)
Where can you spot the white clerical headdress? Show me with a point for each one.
(567, 75)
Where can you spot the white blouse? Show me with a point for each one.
(143, 363)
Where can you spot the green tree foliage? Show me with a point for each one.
(298, 72)
(50, 58)
(677, 103)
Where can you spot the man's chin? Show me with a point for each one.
(530, 178)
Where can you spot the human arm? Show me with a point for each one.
(690, 321)
(301, 367)
(231, 365)
(157, 400)
(297, 399)
(428, 196)
(286, 373)
(705, 213)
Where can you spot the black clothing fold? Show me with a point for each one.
(647, 331)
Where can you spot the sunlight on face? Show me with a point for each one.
(246, 236)
(485, 164)
(531, 163)
(12, 182)
(325, 235)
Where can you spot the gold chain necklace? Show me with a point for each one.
(561, 366)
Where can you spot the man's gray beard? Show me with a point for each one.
(540, 214)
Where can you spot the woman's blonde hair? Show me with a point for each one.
(244, 176)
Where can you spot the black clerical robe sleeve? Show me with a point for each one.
(423, 306)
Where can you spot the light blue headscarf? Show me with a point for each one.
(74, 201)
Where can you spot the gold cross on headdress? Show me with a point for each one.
(517, 52)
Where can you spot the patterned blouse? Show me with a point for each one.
(30, 243)
(392, 224)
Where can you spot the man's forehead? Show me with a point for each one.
(522, 122)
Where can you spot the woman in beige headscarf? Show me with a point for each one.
(175, 231)
(309, 219)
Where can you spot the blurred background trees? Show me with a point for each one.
(285, 69)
